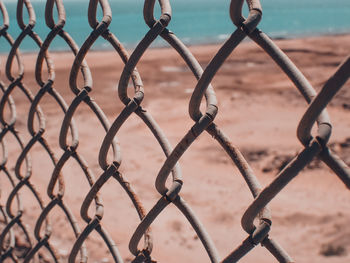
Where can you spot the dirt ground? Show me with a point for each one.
(259, 110)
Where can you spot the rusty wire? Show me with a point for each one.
(39, 237)
(9, 128)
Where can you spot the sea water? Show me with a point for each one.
(193, 21)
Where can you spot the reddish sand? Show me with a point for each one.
(259, 109)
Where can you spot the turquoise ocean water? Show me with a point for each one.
(193, 21)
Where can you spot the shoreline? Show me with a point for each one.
(189, 45)
(102, 58)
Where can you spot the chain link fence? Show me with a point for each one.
(36, 243)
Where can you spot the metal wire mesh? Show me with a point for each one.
(37, 240)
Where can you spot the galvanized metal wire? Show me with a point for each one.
(38, 239)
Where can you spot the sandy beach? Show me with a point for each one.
(259, 110)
